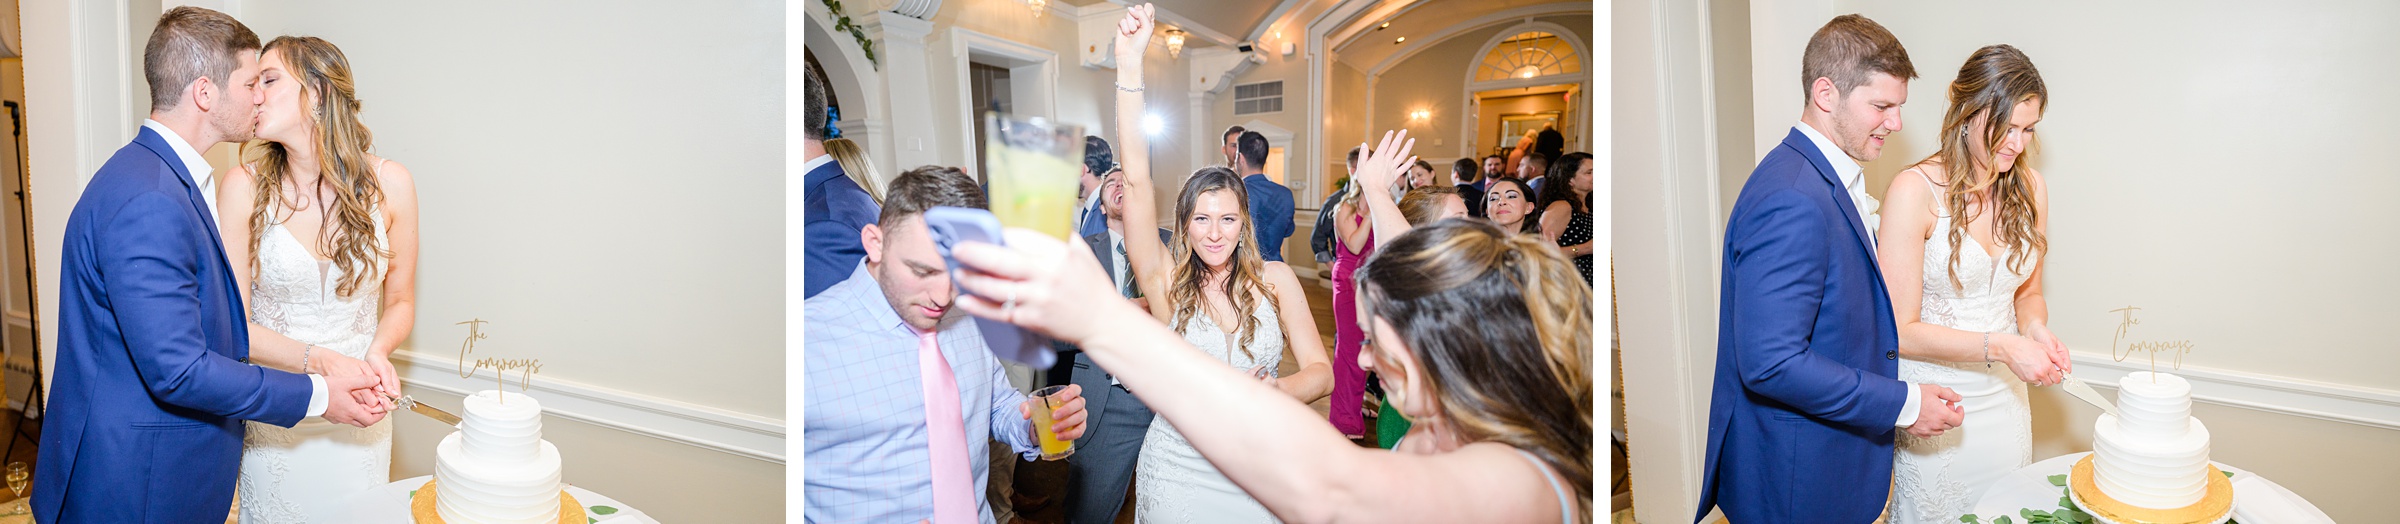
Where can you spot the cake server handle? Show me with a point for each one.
(2083, 390)
(411, 403)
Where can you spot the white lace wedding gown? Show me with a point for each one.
(1938, 479)
(1172, 483)
(309, 472)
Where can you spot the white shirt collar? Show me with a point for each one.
(203, 175)
(1843, 165)
(811, 165)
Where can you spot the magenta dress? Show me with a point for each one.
(1349, 381)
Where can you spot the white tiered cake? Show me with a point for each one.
(2152, 464)
(496, 468)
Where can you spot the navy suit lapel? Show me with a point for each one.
(216, 244)
(1101, 248)
(1841, 195)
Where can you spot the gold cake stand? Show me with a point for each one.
(2213, 507)
(570, 511)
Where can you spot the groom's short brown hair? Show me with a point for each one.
(190, 43)
(927, 187)
(1847, 50)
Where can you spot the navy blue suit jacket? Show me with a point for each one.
(1800, 420)
(146, 410)
(1271, 215)
(835, 209)
(1095, 221)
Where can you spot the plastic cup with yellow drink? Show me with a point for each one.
(1034, 171)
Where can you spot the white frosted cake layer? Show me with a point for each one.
(501, 428)
(2157, 455)
(497, 469)
(2156, 405)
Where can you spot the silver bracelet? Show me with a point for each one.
(1987, 347)
(1121, 87)
(304, 356)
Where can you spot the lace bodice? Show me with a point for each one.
(1266, 348)
(293, 292)
(1937, 479)
(1176, 484)
(1982, 301)
(301, 473)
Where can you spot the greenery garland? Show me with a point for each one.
(841, 23)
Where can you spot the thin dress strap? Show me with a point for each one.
(1935, 188)
(1566, 506)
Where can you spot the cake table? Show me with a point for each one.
(2029, 487)
(389, 505)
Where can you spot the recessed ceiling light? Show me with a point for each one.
(1399, 40)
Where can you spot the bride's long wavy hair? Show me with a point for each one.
(1501, 323)
(341, 144)
(1989, 86)
(1187, 289)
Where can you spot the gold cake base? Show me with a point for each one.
(2213, 507)
(570, 511)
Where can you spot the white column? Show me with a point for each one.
(78, 92)
(900, 43)
(1665, 230)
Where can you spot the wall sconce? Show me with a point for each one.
(1038, 6)
(1420, 115)
(1175, 43)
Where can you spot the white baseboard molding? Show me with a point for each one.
(680, 422)
(2363, 406)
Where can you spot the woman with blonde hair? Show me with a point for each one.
(1501, 399)
(855, 163)
(1961, 242)
(328, 231)
(1227, 306)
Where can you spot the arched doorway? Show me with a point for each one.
(1530, 76)
(853, 85)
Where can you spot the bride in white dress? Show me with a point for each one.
(1962, 250)
(1210, 285)
(330, 236)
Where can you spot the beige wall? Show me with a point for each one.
(2158, 148)
(2212, 163)
(1345, 121)
(2345, 469)
(603, 184)
(669, 483)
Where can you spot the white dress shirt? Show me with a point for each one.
(1854, 179)
(204, 176)
(811, 164)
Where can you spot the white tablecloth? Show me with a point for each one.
(390, 504)
(2030, 487)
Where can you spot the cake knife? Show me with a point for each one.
(411, 403)
(2082, 390)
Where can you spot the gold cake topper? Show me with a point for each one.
(2179, 347)
(499, 366)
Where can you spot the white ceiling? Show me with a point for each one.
(1415, 22)
(1236, 19)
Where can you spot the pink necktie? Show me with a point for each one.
(945, 436)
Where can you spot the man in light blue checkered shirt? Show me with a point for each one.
(866, 441)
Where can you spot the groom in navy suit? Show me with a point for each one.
(833, 207)
(153, 380)
(1806, 401)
